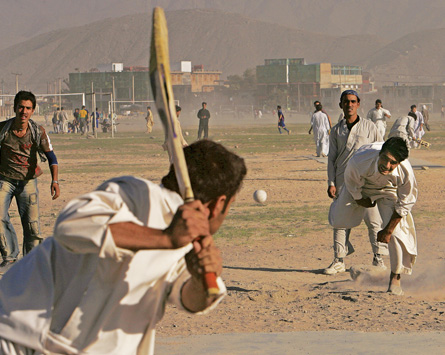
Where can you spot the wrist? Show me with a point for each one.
(55, 182)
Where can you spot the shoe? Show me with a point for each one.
(336, 267)
(288, 132)
(6, 265)
(378, 261)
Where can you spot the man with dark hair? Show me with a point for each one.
(22, 141)
(281, 123)
(379, 115)
(316, 103)
(204, 117)
(320, 126)
(118, 254)
(346, 137)
(419, 132)
(380, 174)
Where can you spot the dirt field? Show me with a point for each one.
(274, 253)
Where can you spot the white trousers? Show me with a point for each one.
(7, 347)
(345, 213)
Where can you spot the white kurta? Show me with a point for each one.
(78, 293)
(403, 127)
(396, 191)
(378, 117)
(320, 126)
(418, 126)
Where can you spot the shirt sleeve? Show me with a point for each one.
(45, 142)
(406, 190)
(353, 181)
(369, 115)
(332, 156)
(83, 225)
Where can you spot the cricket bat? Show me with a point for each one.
(422, 142)
(161, 86)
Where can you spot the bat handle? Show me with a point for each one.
(211, 284)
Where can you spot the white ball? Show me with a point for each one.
(260, 196)
(186, 133)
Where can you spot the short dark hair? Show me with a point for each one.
(24, 95)
(204, 103)
(397, 147)
(278, 106)
(413, 106)
(178, 108)
(318, 107)
(148, 107)
(214, 171)
(315, 102)
(378, 101)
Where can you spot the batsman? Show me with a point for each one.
(118, 254)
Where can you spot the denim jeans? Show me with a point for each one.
(27, 197)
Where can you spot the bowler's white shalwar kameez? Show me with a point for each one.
(320, 126)
(418, 126)
(378, 117)
(396, 191)
(77, 293)
(403, 127)
(343, 143)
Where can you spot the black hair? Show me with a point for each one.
(178, 108)
(413, 115)
(24, 95)
(412, 106)
(214, 171)
(319, 107)
(397, 147)
(378, 101)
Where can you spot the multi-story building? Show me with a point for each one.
(296, 84)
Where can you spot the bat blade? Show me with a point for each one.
(161, 85)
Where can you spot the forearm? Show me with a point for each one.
(54, 172)
(131, 236)
(194, 295)
(393, 222)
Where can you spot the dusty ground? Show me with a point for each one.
(274, 254)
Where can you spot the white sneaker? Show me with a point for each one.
(378, 261)
(336, 267)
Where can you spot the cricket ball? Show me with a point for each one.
(260, 196)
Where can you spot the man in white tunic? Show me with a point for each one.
(379, 115)
(320, 126)
(418, 126)
(118, 254)
(404, 127)
(380, 174)
(345, 139)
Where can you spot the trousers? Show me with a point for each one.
(26, 195)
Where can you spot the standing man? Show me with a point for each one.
(320, 125)
(426, 117)
(83, 116)
(22, 141)
(95, 119)
(55, 120)
(76, 122)
(380, 174)
(149, 119)
(324, 111)
(281, 123)
(118, 255)
(418, 127)
(204, 116)
(404, 127)
(379, 115)
(63, 119)
(345, 139)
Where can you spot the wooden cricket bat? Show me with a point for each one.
(163, 94)
(422, 142)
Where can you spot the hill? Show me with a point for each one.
(223, 41)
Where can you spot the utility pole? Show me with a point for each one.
(60, 92)
(16, 81)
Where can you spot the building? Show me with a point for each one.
(296, 84)
(132, 85)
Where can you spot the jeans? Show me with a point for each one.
(27, 197)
